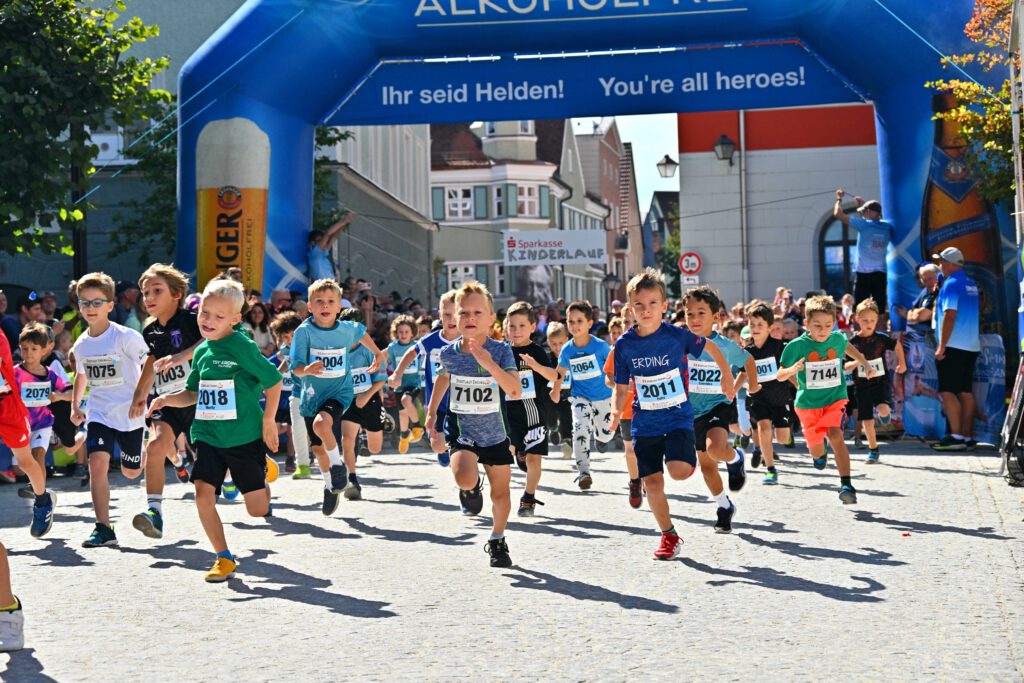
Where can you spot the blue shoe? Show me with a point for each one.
(872, 456)
(444, 459)
(819, 463)
(102, 536)
(737, 473)
(847, 495)
(229, 490)
(150, 523)
(42, 517)
(771, 478)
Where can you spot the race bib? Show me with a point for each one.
(36, 394)
(473, 395)
(661, 391)
(172, 380)
(333, 360)
(435, 364)
(705, 377)
(216, 400)
(767, 369)
(529, 388)
(584, 367)
(413, 369)
(875, 364)
(103, 372)
(287, 382)
(4, 388)
(823, 374)
(361, 380)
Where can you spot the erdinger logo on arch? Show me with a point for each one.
(497, 11)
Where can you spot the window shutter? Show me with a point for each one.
(437, 202)
(480, 202)
(511, 200)
(545, 201)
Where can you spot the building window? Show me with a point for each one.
(835, 244)
(526, 127)
(490, 128)
(460, 202)
(459, 275)
(527, 204)
(502, 280)
(499, 200)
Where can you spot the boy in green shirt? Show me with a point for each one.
(816, 359)
(230, 432)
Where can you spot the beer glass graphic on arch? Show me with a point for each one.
(232, 177)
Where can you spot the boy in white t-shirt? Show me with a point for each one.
(108, 360)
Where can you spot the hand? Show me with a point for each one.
(870, 372)
(58, 327)
(901, 368)
(799, 365)
(394, 381)
(478, 352)
(164, 364)
(614, 423)
(379, 361)
(270, 433)
(531, 362)
(727, 386)
(362, 399)
(753, 386)
(555, 396)
(859, 200)
(840, 193)
(158, 403)
(940, 352)
(428, 424)
(77, 416)
(901, 311)
(316, 368)
(137, 409)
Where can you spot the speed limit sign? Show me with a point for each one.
(690, 263)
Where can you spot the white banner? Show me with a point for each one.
(555, 247)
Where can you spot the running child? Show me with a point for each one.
(403, 338)
(742, 433)
(16, 431)
(12, 618)
(108, 362)
(528, 414)
(428, 351)
(589, 396)
(654, 356)
(714, 409)
(481, 373)
(769, 408)
(635, 487)
(816, 359)
(560, 415)
(873, 393)
(320, 360)
(231, 433)
(40, 387)
(297, 460)
(171, 335)
(365, 411)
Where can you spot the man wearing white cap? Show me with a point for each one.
(873, 237)
(956, 322)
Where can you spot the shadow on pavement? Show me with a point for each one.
(579, 590)
(286, 527)
(769, 528)
(57, 553)
(835, 488)
(405, 536)
(929, 528)
(773, 579)
(420, 502)
(808, 552)
(23, 667)
(393, 484)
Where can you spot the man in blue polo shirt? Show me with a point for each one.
(873, 237)
(956, 334)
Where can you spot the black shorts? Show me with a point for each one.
(368, 417)
(530, 441)
(63, 427)
(332, 407)
(956, 371)
(99, 438)
(652, 451)
(626, 428)
(498, 454)
(869, 396)
(721, 416)
(178, 419)
(851, 397)
(874, 286)
(779, 414)
(412, 392)
(247, 464)
(283, 416)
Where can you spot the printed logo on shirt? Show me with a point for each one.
(651, 362)
(176, 338)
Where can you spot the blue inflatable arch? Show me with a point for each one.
(252, 95)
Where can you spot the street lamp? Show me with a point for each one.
(667, 167)
(611, 283)
(725, 148)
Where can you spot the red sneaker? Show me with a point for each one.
(636, 494)
(670, 546)
(8, 476)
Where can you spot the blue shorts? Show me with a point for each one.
(653, 451)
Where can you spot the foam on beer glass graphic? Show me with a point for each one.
(232, 177)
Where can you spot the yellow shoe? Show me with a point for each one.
(417, 434)
(272, 470)
(222, 570)
(403, 445)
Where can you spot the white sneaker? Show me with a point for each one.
(12, 630)
(566, 450)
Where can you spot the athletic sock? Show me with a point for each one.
(845, 481)
(405, 434)
(772, 469)
(12, 607)
(670, 530)
(352, 478)
(43, 499)
(226, 555)
(723, 500)
(495, 537)
(327, 480)
(528, 497)
(155, 501)
(885, 419)
(334, 455)
(414, 425)
(735, 457)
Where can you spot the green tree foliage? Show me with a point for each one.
(326, 211)
(63, 72)
(668, 257)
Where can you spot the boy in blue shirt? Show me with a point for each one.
(283, 328)
(365, 411)
(481, 373)
(320, 360)
(403, 339)
(714, 410)
(583, 359)
(654, 355)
